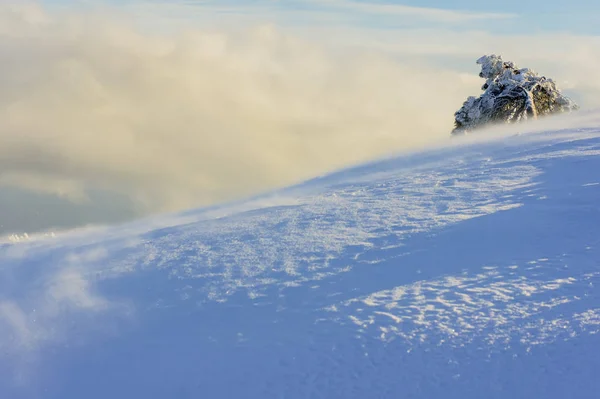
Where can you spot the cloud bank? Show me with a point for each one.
(200, 116)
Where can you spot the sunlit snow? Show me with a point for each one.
(464, 272)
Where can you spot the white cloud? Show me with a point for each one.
(202, 116)
(399, 10)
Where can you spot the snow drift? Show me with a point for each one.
(463, 272)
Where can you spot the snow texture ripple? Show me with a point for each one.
(453, 272)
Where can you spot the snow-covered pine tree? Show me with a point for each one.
(510, 95)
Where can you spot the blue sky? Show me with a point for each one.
(576, 16)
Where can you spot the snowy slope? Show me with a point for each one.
(464, 272)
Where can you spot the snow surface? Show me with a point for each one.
(464, 272)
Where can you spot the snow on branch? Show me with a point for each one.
(510, 95)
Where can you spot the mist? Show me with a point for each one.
(170, 120)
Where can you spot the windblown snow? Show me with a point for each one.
(460, 272)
